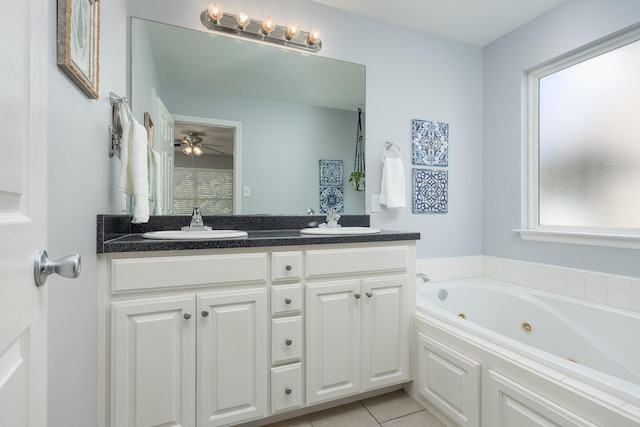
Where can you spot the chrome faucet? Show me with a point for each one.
(196, 221)
(332, 218)
(423, 276)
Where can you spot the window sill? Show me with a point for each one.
(627, 241)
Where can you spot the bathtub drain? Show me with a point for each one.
(443, 294)
(526, 327)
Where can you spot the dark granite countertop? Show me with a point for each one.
(116, 233)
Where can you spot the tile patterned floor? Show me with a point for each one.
(396, 409)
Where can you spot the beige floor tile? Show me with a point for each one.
(392, 405)
(351, 415)
(293, 422)
(418, 419)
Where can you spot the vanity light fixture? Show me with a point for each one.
(214, 18)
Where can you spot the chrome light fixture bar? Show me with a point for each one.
(215, 19)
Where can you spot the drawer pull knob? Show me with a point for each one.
(204, 313)
(357, 296)
(287, 300)
(288, 268)
(288, 341)
(287, 390)
(187, 315)
(369, 294)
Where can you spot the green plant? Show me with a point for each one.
(357, 180)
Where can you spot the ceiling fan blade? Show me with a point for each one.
(217, 151)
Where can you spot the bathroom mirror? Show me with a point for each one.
(289, 110)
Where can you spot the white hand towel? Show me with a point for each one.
(133, 173)
(392, 189)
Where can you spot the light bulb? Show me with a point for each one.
(242, 19)
(215, 12)
(197, 150)
(188, 150)
(292, 30)
(268, 25)
(314, 36)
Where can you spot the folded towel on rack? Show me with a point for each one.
(392, 188)
(155, 181)
(133, 172)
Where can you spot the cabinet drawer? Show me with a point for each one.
(325, 262)
(286, 339)
(286, 299)
(286, 265)
(163, 272)
(286, 387)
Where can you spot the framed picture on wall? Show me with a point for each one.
(78, 41)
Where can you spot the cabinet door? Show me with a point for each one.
(333, 340)
(385, 338)
(232, 356)
(153, 362)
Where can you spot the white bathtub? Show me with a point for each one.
(589, 348)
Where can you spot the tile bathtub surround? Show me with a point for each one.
(616, 291)
(395, 409)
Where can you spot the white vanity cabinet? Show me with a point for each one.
(357, 328)
(228, 336)
(193, 355)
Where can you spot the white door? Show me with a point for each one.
(23, 155)
(163, 143)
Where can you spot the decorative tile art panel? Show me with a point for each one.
(430, 143)
(331, 197)
(330, 172)
(430, 191)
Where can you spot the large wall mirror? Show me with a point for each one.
(264, 117)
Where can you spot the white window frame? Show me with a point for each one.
(530, 224)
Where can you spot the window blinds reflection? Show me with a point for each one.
(211, 189)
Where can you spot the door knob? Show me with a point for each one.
(68, 266)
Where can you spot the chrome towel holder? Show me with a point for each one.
(119, 105)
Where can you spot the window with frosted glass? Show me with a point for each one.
(211, 189)
(589, 142)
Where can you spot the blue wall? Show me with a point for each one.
(569, 26)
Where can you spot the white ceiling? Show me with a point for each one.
(476, 22)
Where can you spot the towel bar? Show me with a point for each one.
(118, 104)
(389, 146)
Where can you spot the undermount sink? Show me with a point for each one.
(194, 235)
(334, 231)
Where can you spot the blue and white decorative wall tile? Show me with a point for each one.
(430, 143)
(331, 197)
(430, 191)
(330, 172)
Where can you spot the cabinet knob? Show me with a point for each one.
(204, 313)
(288, 268)
(357, 296)
(287, 390)
(288, 341)
(287, 300)
(369, 294)
(187, 315)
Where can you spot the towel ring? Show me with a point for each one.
(119, 105)
(390, 147)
